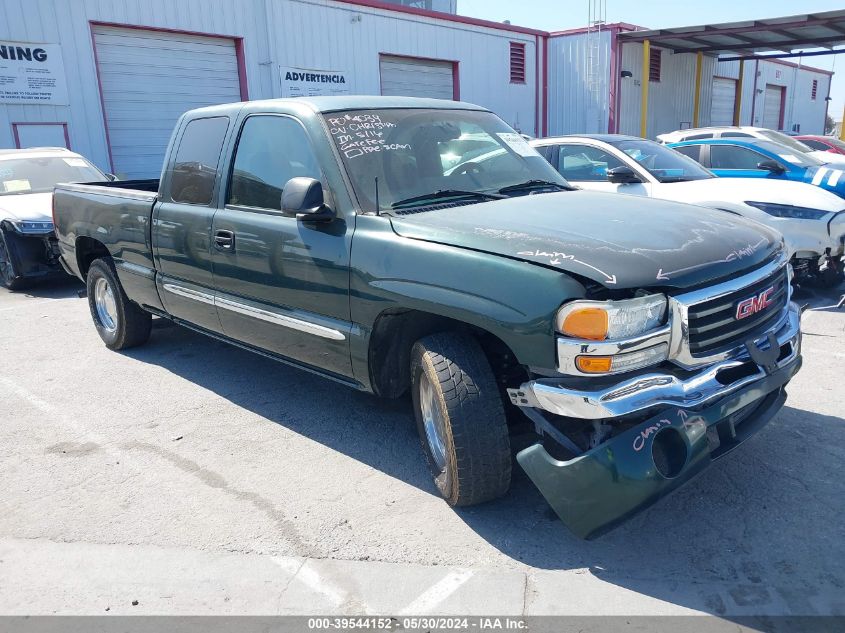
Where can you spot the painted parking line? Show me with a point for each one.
(437, 593)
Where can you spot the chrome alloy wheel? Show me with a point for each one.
(105, 305)
(435, 427)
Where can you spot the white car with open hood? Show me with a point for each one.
(28, 249)
(811, 219)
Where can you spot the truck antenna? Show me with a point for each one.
(378, 208)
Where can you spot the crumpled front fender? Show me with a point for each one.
(603, 487)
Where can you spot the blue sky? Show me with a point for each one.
(566, 14)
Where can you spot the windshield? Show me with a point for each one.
(41, 174)
(412, 153)
(663, 162)
(785, 139)
(786, 153)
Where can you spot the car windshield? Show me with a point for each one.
(835, 142)
(417, 157)
(663, 162)
(786, 153)
(40, 174)
(785, 139)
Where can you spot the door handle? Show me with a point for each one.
(224, 240)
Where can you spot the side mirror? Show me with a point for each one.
(111, 177)
(771, 165)
(622, 176)
(303, 197)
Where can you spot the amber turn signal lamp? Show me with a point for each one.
(594, 364)
(586, 323)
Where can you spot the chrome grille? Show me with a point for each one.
(714, 327)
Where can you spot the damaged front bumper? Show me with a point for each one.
(689, 419)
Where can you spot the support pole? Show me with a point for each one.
(738, 95)
(696, 108)
(644, 89)
(842, 127)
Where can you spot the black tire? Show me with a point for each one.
(8, 276)
(130, 324)
(475, 465)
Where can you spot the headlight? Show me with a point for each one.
(602, 320)
(789, 211)
(25, 226)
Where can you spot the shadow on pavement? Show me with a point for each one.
(765, 523)
(58, 288)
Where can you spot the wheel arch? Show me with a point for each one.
(87, 250)
(397, 329)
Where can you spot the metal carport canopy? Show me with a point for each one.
(814, 30)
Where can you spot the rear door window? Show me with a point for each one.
(195, 167)
(693, 151)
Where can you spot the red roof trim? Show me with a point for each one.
(616, 26)
(449, 17)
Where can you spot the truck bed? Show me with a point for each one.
(113, 217)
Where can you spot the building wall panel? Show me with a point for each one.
(800, 109)
(307, 33)
(578, 103)
(671, 100)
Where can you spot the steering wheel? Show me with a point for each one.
(471, 169)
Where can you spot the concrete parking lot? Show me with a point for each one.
(188, 476)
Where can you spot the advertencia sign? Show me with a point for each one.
(32, 73)
(311, 82)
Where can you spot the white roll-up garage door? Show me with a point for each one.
(148, 79)
(409, 77)
(722, 105)
(772, 106)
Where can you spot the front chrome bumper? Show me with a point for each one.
(679, 388)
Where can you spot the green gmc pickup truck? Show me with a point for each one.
(357, 238)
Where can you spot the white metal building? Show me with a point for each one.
(598, 73)
(118, 73)
(108, 78)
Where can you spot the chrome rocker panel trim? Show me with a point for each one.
(652, 389)
(254, 311)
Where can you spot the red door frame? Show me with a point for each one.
(239, 57)
(782, 108)
(17, 124)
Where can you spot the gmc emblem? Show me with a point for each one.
(755, 304)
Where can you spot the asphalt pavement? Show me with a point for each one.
(188, 476)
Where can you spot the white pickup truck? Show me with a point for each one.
(811, 220)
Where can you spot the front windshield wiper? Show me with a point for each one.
(445, 193)
(535, 184)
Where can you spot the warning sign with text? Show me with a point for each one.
(32, 73)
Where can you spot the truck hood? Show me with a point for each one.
(711, 191)
(31, 207)
(616, 240)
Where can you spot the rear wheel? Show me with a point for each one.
(460, 419)
(119, 322)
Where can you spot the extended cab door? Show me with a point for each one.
(586, 166)
(181, 231)
(282, 284)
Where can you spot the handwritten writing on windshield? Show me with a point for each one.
(361, 134)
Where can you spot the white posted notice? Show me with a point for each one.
(32, 73)
(313, 82)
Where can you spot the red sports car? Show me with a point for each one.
(823, 143)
